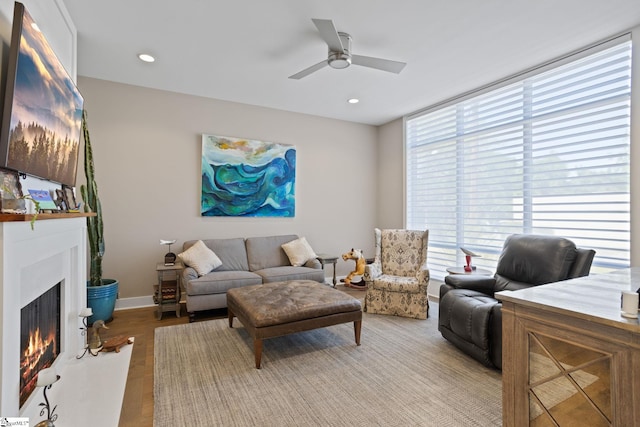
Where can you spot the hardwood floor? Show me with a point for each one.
(137, 405)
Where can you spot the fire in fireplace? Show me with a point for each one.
(39, 338)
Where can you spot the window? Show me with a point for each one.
(546, 153)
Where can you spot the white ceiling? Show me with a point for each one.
(244, 50)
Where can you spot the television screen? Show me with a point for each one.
(42, 116)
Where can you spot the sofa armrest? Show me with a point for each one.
(484, 284)
(313, 263)
(188, 273)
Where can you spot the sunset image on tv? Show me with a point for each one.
(46, 112)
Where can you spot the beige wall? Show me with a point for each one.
(147, 148)
(390, 178)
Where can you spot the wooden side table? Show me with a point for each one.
(167, 274)
(329, 259)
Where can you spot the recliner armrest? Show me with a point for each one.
(484, 284)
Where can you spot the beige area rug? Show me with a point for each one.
(403, 374)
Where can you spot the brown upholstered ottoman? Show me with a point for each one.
(281, 308)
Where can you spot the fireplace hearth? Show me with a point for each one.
(39, 338)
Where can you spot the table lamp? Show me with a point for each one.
(170, 257)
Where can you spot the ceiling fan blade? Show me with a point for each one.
(378, 63)
(329, 34)
(309, 70)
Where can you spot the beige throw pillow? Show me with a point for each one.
(299, 251)
(200, 258)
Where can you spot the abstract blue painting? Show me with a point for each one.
(243, 177)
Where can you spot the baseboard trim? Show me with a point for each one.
(134, 302)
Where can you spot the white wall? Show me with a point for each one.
(147, 148)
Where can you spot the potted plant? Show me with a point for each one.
(101, 293)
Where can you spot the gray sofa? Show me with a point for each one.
(245, 262)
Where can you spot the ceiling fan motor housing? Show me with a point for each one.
(341, 60)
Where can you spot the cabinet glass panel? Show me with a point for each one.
(568, 383)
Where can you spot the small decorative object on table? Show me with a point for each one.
(468, 255)
(46, 378)
(361, 262)
(170, 257)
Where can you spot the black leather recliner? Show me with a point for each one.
(471, 318)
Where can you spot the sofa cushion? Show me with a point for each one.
(231, 252)
(281, 274)
(219, 282)
(201, 258)
(266, 252)
(299, 251)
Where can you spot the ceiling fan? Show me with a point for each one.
(340, 55)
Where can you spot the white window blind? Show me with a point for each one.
(546, 154)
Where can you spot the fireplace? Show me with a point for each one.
(32, 262)
(39, 338)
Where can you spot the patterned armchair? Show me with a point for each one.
(398, 278)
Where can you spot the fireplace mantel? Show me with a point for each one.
(6, 217)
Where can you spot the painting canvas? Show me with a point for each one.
(242, 177)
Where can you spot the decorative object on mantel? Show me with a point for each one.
(170, 257)
(114, 343)
(46, 378)
(101, 293)
(242, 177)
(44, 199)
(85, 313)
(95, 342)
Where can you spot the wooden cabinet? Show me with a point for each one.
(569, 357)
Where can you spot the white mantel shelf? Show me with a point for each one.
(6, 217)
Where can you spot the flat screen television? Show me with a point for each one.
(42, 111)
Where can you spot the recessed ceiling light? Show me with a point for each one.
(353, 100)
(146, 57)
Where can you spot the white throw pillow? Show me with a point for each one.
(299, 251)
(201, 258)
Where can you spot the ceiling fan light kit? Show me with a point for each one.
(340, 56)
